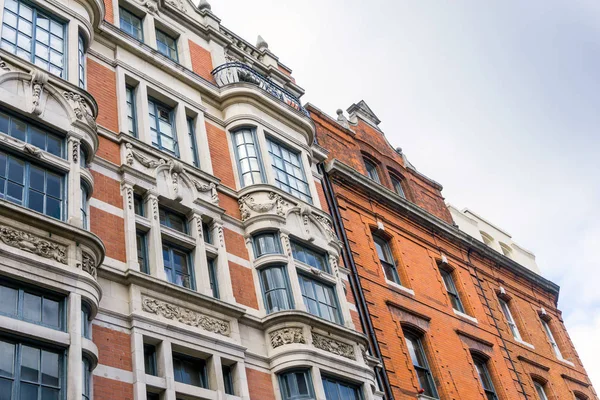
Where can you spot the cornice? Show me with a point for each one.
(361, 183)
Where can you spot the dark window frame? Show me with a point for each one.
(227, 371)
(213, 277)
(193, 142)
(202, 373)
(169, 216)
(388, 263)
(299, 246)
(124, 11)
(155, 107)
(81, 61)
(170, 270)
(287, 288)
(86, 321)
(239, 159)
(485, 377)
(372, 170)
(142, 249)
(174, 49)
(287, 186)
(150, 364)
(290, 392)
(335, 308)
(341, 383)
(12, 120)
(421, 371)
(451, 289)
(130, 92)
(257, 246)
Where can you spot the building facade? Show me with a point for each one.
(452, 316)
(175, 224)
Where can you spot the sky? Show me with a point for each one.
(497, 100)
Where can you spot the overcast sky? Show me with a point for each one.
(496, 100)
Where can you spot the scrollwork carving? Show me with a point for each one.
(248, 203)
(328, 227)
(186, 316)
(211, 187)
(33, 244)
(81, 108)
(333, 346)
(38, 80)
(88, 264)
(75, 150)
(285, 336)
(3, 65)
(145, 161)
(34, 151)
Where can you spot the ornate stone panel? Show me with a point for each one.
(33, 244)
(186, 316)
(285, 336)
(333, 346)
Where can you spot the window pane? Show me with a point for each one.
(8, 305)
(28, 391)
(51, 313)
(30, 364)
(32, 307)
(5, 389)
(289, 175)
(7, 361)
(50, 368)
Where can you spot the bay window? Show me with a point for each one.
(266, 243)
(320, 299)
(28, 133)
(32, 306)
(247, 157)
(336, 389)
(288, 171)
(81, 61)
(275, 288)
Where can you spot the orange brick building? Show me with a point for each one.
(451, 317)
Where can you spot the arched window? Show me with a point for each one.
(386, 259)
(485, 377)
(418, 357)
(540, 391)
(397, 184)
(448, 279)
(551, 339)
(580, 396)
(487, 239)
(506, 250)
(371, 170)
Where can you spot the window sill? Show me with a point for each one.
(400, 287)
(465, 316)
(524, 343)
(566, 361)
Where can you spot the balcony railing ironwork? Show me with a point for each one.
(235, 72)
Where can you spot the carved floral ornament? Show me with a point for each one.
(175, 171)
(333, 346)
(33, 244)
(186, 316)
(285, 336)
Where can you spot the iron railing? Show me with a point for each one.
(236, 72)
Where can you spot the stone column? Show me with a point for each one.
(200, 262)
(142, 112)
(240, 381)
(139, 369)
(215, 376)
(164, 355)
(130, 230)
(222, 266)
(154, 239)
(75, 357)
(296, 292)
(73, 199)
(202, 143)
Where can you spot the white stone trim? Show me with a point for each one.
(109, 208)
(116, 374)
(465, 316)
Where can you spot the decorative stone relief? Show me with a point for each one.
(286, 244)
(3, 65)
(145, 161)
(75, 150)
(155, 207)
(211, 187)
(285, 336)
(81, 109)
(88, 264)
(333, 346)
(33, 244)
(328, 227)
(38, 80)
(186, 316)
(34, 151)
(248, 204)
(221, 235)
(178, 4)
(129, 193)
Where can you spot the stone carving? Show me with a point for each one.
(178, 4)
(284, 336)
(328, 227)
(185, 316)
(88, 264)
(364, 353)
(145, 161)
(211, 187)
(305, 214)
(81, 108)
(175, 170)
(129, 193)
(199, 227)
(33, 244)
(3, 65)
(286, 244)
(75, 150)
(342, 120)
(34, 151)
(261, 43)
(248, 204)
(333, 346)
(221, 236)
(38, 80)
(155, 207)
(241, 44)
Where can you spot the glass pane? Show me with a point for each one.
(32, 307)
(36, 178)
(37, 138)
(53, 208)
(14, 193)
(16, 170)
(28, 392)
(50, 369)
(51, 313)
(54, 187)
(7, 361)
(8, 305)
(30, 364)
(50, 394)
(5, 389)
(36, 201)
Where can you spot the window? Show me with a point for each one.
(267, 243)
(551, 339)
(320, 299)
(509, 319)
(34, 36)
(27, 370)
(166, 45)
(142, 252)
(86, 377)
(178, 266)
(385, 258)
(580, 396)
(18, 129)
(150, 359)
(81, 61)
(485, 377)
(247, 157)
(86, 321)
(162, 127)
(206, 233)
(228, 379)
(152, 396)
(397, 183)
(30, 186)
(138, 205)
(275, 286)
(131, 24)
(212, 276)
(193, 146)
(189, 370)
(451, 290)
(288, 171)
(371, 170)
(340, 390)
(296, 385)
(131, 115)
(173, 220)
(83, 156)
(31, 306)
(84, 205)
(419, 360)
(539, 389)
(309, 256)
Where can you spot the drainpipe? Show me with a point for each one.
(363, 310)
(487, 303)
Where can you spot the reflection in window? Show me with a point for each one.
(178, 266)
(84, 205)
(212, 277)
(166, 45)
(131, 115)
(130, 24)
(296, 385)
(320, 299)
(190, 370)
(30, 186)
(551, 339)
(86, 376)
(451, 290)
(30, 306)
(371, 170)
(484, 377)
(267, 243)
(385, 258)
(247, 157)
(275, 289)
(336, 389)
(18, 129)
(173, 220)
(228, 379)
(397, 183)
(309, 256)
(509, 319)
(34, 36)
(162, 127)
(81, 61)
(288, 171)
(142, 252)
(420, 364)
(539, 389)
(193, 146)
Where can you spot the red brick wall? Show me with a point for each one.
(111, 229)
(235, 244)
(114, 347)
(321, 194)
(108, 150)
(230, 204)
(219, 155)
(108, 9)
(108, 389)
(107, 190)
(201, 61)
(242, 284)
(260, 385)
(102, 84)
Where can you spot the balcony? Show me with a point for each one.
(237, 72)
